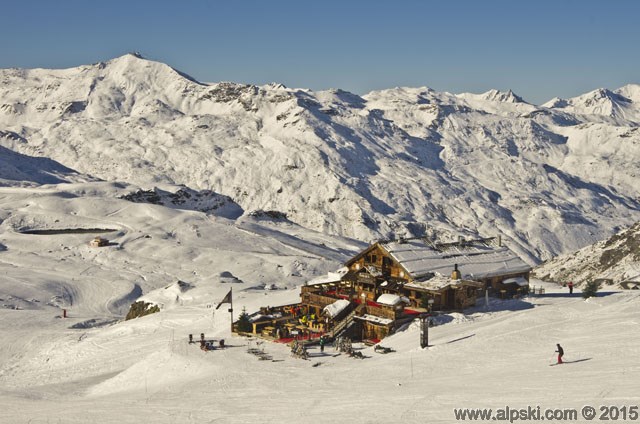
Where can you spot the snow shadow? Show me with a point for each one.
(18, 167)
(70, 231)
(93, 323)
(121, 304)
(502, 305)
(461, 338)
(576, 295)
(578, 183)
(577, 360)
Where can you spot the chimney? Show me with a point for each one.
(499, 240)
(455, 275)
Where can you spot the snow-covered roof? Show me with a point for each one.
(439, 282)
(477, 259)
(375, 319)
(521, 281)
(336, 307)
(391, 299)
(330, 277)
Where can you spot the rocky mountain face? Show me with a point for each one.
(614, 260)
(397, 162)
(205, 201)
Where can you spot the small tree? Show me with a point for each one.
(424, 301)
(244, 324)
(590, 289)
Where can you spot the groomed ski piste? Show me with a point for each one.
(95, 367)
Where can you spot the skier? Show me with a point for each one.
(560, 353)
(570, 285)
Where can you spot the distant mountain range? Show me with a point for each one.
(398, 162)
(614, 260)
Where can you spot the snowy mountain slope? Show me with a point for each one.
(185, 198)
(47, 265)
(402, 161)
(153, 245)
(21, 170)
(616, 259)
(46, 231)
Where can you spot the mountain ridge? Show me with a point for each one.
(397, 162)
(614, 260)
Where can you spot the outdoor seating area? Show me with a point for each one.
(286, 323)
(207, 344)
(536, 291)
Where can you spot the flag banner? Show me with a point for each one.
(227, 299)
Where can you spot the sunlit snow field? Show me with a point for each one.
(110, 371)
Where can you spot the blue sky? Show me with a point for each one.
(539, 49)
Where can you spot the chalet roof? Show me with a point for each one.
(334, 309)
(440, 282)
(476, 259)
(330, 277)
(521, 281)
(391, 299)
(375, 319)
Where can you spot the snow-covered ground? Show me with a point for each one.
(145, 369)
(94, 367)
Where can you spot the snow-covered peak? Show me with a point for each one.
(495, 96)
(556, 102)
(612, 106)
(276, 86)
(135, 63)
(503, 96)
(416, 95)
(630, 91)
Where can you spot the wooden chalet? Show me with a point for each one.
(390, 283)
(409, 266)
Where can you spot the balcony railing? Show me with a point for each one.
(318, 299)
(382, 312)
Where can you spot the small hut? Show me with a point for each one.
(99, 242)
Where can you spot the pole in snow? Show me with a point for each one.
(424, 331)
(231, 307)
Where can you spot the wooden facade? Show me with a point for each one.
(376, 272)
